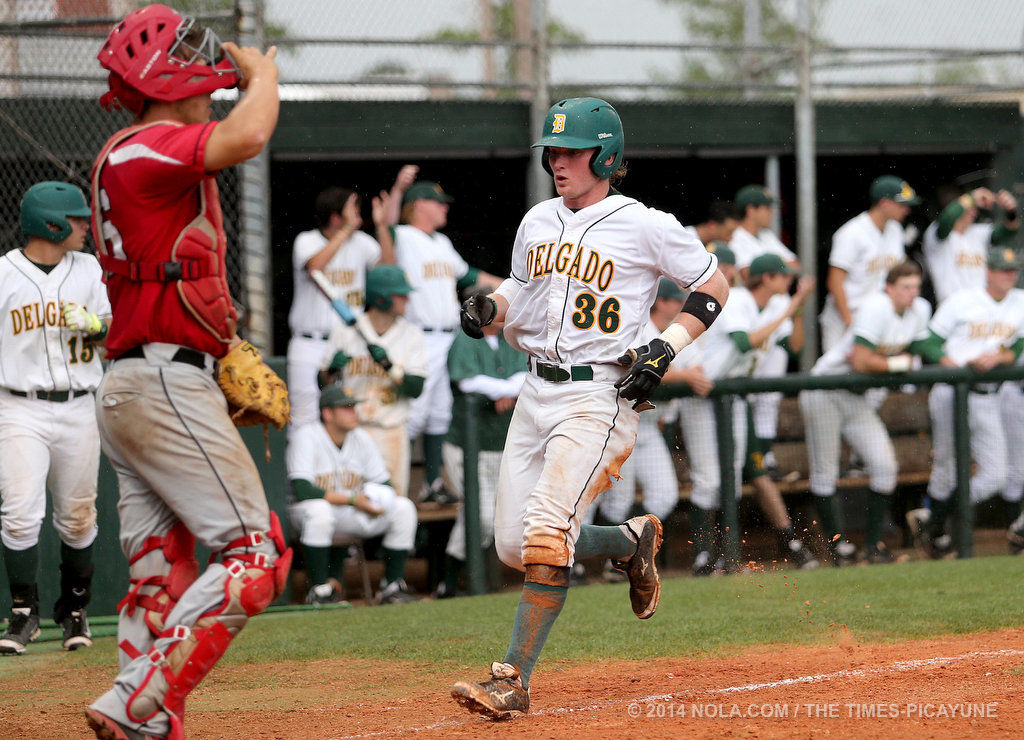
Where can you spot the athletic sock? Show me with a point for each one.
(940, 512)
(452, 571)
(78, 560)
(702, 529)
(828, 516)
(604, 542)
(432, 456)
(394, 564)
(316, 563)
(878, 505)
(22, 565)
(539, 607)
(336, 562)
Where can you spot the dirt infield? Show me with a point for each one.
(947, 687)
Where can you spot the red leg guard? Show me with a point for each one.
(178, 548)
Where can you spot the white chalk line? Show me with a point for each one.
(897, 667)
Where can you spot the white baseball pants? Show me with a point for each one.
(988, 444)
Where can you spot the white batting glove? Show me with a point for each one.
(78, 319)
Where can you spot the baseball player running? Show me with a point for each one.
(382, 360)
(585, 269)
(55, 313)
(493, 369)
(758, 318)
(956, 245)
(983, 328)
(343, 253)
(437, 272)
(864, 249)
(341, 491)
(184, 472)
(888, 329)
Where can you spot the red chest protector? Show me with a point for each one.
(195, 259)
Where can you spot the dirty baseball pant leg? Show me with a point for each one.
(179, 459)
(74, 467)
(557, 467)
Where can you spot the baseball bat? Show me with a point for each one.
(337, 302)
(342, 309)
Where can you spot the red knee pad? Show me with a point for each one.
(178, 548)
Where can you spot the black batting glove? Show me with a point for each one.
(477, 312)
(380, 356)
(647, 366)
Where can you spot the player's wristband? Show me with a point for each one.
(352, 499)
(676, 336)
(899, 363)
(705, 307)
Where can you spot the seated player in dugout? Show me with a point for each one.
(575, 419)
(382, 360)
(341, 491)
(437, 272)
(888, 329)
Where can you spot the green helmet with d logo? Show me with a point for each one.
(585, 123)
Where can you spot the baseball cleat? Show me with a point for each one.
(76, 630)
(644, 584)
(22, 628)
(107, 729)
(704, 564)
(843, 553)
(801, 556)
(1015, 535)
(503, 697)
(878, 554)
(918, 521)
(396, 592)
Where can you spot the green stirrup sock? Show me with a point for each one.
(394, 564)
(336, 561)
(828, 516)
(452, 571)
(316, 564)
(80, 561)
(604, 542)
(432, 457)
(702, 529)
(539, 607)
(22, 565)
(940, 512)
(878, 505)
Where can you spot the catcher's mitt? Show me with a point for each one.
(256, 395)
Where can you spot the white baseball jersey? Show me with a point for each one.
(313, 456)
(867, 255)
(959, 260)
(577, 293)
(878, 323)
(311, 312)
(973, 323)
(433, 268)
(37, 351)
(380, 403)
(747, 246)
(720, 356)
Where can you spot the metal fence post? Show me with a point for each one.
(962, 445)
(471, 497)
(254, 208)
(727, 473)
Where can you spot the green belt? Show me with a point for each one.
(557, 374)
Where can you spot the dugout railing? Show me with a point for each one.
(724, 396)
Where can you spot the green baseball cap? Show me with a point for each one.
(336, 396)
(721, 250)
(426, 190)
(670, 291)
(1003, 258)
(754, 195)
(770, 264)
(895, 189)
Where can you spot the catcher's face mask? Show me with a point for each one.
(196, 44)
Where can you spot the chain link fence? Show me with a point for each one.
(738, 51)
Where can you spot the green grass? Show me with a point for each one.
(697, 616)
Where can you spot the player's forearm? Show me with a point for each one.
(701, 308)
(387, 244)
(501, 301)
(321, 259)
(834, 283)
(247, 128)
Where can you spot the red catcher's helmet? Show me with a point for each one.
(156, 53)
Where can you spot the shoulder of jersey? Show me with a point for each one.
(922, 306)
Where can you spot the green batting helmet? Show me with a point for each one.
(585, 123)
(50, 203)
(382, 282)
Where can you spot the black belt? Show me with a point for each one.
(985, 390)
(192, 357)
(55, 396)
(557, 374)
(310, 335)
(428, 329)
